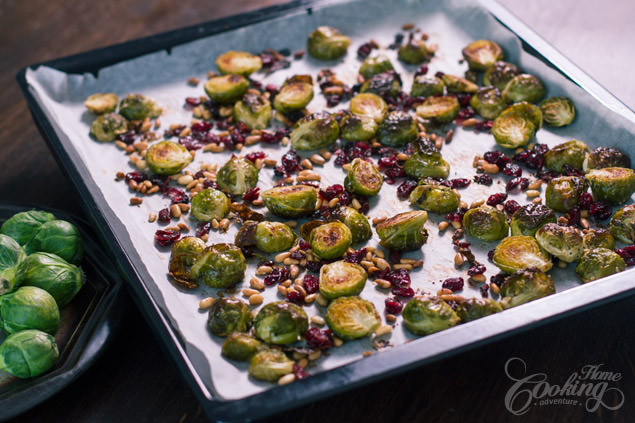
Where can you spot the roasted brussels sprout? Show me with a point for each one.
(456, 84)
(57, 237)
(273, 237)
(440, 109)
(525, 110)
(326, 43)
(319, 130)
(237, 176)
(427, 315)
(352, 317)
(356, 222)
(293, 96)
(357, 127)
(397, 129)
(290, 201)
(340, 278)
(184, 254)
(363, 178)
(167, 158)
(563, 193)
(486, 223)
(622, 224)
(475, 308)
(22, 226)
(426, 86)
(240, 347)
(107, 126)
(557, 111)
(28, 353)
(373, 65)
(228, 315)
(488, 102)
(571, 153)
(499, 74)
(599, 238)
(520, 252)
(524, 286)
(254, 111)
(280, 323)
(434, 198)
(54, 275)
(331, 240)
(524, 87)
(531, 217)
(482, 54)
(613, 185)
(598, 263)
(270, 365)
(512, 130)
(220, 266)
(414, 52)
(11, 258)
(564, 242)
(138, 107)
(427, 165)
(369, 105)
(384, 84)
(29, 307)
(404, 231)
(602, 157)
(100, 103)
(238, 62)
(209, 204)
(226, 89)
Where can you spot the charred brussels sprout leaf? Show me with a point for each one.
(434, 198)
(600, 238)
(499, 74)
(22, 226)
(602, 157)
(357, 128)
(281, 323)
(398, 129)
(220, 266)
(557, 111)
(319, 130)
(440, 109)
(384, 84)
(209, 204)
(374, 65)
(11, 258)
(427, 165)
(571, 153)
(331, 240)
(101, 103)
(598, 263)
(238, 62)
(531, 217)
(356, 222)
(414, 52)
(254, 111)
(290, 201)
(482, 54)
(237, 176)
(404, 231)
(58, 237)
(427, 315)
(352, 317)
(563, 193)
(488, 102)
(28, 353)
(475, 308)
(520, 252)
(226, 89)
(456, 84)
(426, 86)
(107, 126)
(363, 178)
(29, 307)
(524, 87)
(613, 185)
(167, 158)
(326, 43)
(228, 315)
(293, 96)
(54, 275)
(273, 237)
(486, 223)
(270, 365)
(340, 278)
(622, 224)
(369, 105)
(138, 107)
(512, 130)
(564, 242)
(240, 347)
(524, 286)
(184, 254)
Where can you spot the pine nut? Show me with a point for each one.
(152, 217)
(383, 330)
(532, 193)
(314, 355)
(383, 283)
(443, 225)
(459, 260)
(256, 283)
(318, 320)
(337, 341)
(480, 278)
(256, 299)
(321, 300)
(248, 292)
(286, 379)
(135, 201)
(175, 211)
(280, 257)
(206, 303)
(391, 318)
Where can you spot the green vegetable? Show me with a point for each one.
(486, 223)
(512, 130)
(622, 225)
(414, 52)
(613, 185)
(281, 323)
(356, 222)
(602, 157)
(426, 86)
(357, 128)
(53, 274)
(531, 217)
(524, 286)
(426, 165)
(352, 317)
(220, 266)
(293, 96)
(369, 105)
(434, 198)
(100, 103)
(290, 201)
(313, 132)
(524, 87)
(184, 254)
(475, 308)
(240, 347)
(564, 242)
(11, 258)
(209, 204)
(427, 315)
(598, 263)
(237, 176)
(440, 109)
(254, 111)
(571, 153)
(404, 231)
(107, 126)
(167, 158)
(557, 111)
(29, 307)
(326, 43)
(331, 240)
(238, 62)
(273, 237)
(482, 54)
(397, 129)
(340, 278)
(499, 74)
(228, 315)
(384, 84)
(22, 226)
(525, 110)
(488, 102)
(563, 193)
(138, 107)
(270, 365)
(226, 89)
(599, 238)
(373, 65)
(363, 178)
(28, 353)
(520, 252)
(456, 84)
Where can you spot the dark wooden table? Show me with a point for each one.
(135, 382)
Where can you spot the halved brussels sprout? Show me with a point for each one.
(316, 131)
(499, 74)
(571, 153)
(622, 224)
(414, 52)
(404, 231)
(521, 252)
(434, 198)
(456, 84)
(356, 222)
(29, 307)
(226, 89)
(281, 323)
(557, 111)
(331, 240)
(481, 54)
(240, 347)
(293, 96)
(440, 109)
(613, 185)
(57, 237)
(525, 110)
(524, 286)
(352, 317)
(326, 43)
(602, 157)
(475, 308)
(488, 102)
(11, 258)
(138, 107)
(22, 226)
(363, 178)
(397, 129)
(384, 84)
(370, 105)
(373, 65)
(228, 315)
(426, 86)
(357, 127)
(238, 62)
(598, 263)
(254, 111)
(290, 201)
(564, 242)
(107, 126)
(237, 176)
(100, 103)
(54, 275)
(28, 353)
(340, 278)
(209, 204)
(427, 165)
(167, 158)
(563, 193)
(524, 87)
(427, 315)
(220, 266)
(273, 237)
(531, 217)
(600, 238)
(512, 130)
(184, 254)
(486, 223)
(270, 365)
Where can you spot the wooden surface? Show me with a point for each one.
(135, 382)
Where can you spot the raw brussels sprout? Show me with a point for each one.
(602, 157)
(331, 240)
(240, 347)
(427, 165)
(440, 109)
(475, 308)
(426, 86)
(290, 201)
(404, 231)
(486, 223)
(228, 315)
(57, 237)
(524, 87)
(524, 286)
(138, 107)
(456, 84)
(254, 111)
(28, 353)
(397, 129)
(434, 198)
(557, 111)
(427, 315)
(293, 96)
(414, 52)
(571, 153)
(326, 43)
(340, 278)
(352, 317)
(356, 222)
(167, 158)
(488, 102)
(270, 365)
(369, 105)
(373, 65)
(11, 258)
(29, 307)
(100, 103)
(54, 275)
(499, 74)
(238, 62)
(226, 89)
(482, 54)
(22, 226)
(563, 193)
(531, 217)
(512, 130)
(564, 242)
(363, 178)
(316, 131)
(209, 204)
(273, 237)
(525, 110)
(598, 263)
(107, 126)
(385, 84)
(613, 185)
(220, 266)
(237, 176)
(599, 238)
(622, 224)
(184, 254)
(521, 252)
(280, 323)
(357, 127)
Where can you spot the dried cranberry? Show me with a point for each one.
(331, 192)
(164, 215)
(192, 101)
(269, 263)
(398, 278)
(490, 254)
(483, 179)
(393, 305)
(453, 284)
(456, 183)
(314, 266)
(585, 201)
(166, 238)
(387, 161)
(455, 216)
(492, 156)
(299, 372)
(406, 187)
(346, 198)
(571, 171)
(319, 338)
(628, 254)
(495, 199)
(498, 279)
(311, 284)
(203, 228)
(395, 172)
(465, 114)
(277, 275)
(423, 69)
(403, 291)
(136, 176)
(252, 195)
(573, 217)
(356, 256)
(464, 99)
(511, 206)
(600, 210)
(191, 143)
(290, 161)
(512, 169)
(127, 137)
(272, 89)
(304, 245)
(252, 157)
(484, 125)
(394, 257)
(518, 182)
(364, 50)
(477, 269)
(484, 290)
(177, 196)
(295, 297)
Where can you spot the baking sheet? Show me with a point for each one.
(162, 76)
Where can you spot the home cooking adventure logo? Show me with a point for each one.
(590, 387)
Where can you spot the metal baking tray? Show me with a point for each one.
(194, 365)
